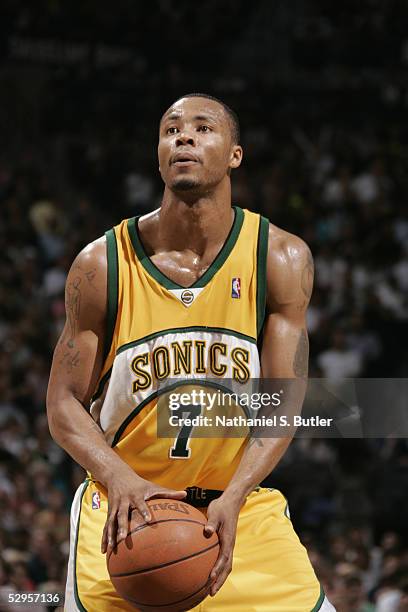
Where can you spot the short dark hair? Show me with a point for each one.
(232, 116)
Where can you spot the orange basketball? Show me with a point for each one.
(165, 564)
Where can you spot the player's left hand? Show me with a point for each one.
(222, 517)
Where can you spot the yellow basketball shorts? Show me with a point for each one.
(271, 570)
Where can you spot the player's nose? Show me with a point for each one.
(184, 138)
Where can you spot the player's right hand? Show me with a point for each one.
(127, 492)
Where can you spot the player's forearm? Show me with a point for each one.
(76, 432)
(260, 458)
(267, 445)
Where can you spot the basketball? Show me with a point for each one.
(165, 564)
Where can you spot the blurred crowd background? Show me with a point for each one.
(321, 92)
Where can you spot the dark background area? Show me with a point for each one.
(321, 92)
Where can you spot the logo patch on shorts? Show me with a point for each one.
(96, 500)
(236, 288)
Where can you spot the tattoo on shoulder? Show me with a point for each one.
(300, 361)
(90, 275)
(307, 276)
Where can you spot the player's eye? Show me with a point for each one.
(204, 128)
(171, 130)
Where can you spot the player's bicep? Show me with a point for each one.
(285, 348)
(78, 355)
(285, 345)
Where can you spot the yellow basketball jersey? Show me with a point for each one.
(163, 339)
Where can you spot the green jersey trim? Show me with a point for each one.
(218, 262)
(194, 328)
(113, 284)
(320, 601)
(101, 385)
(262, 253)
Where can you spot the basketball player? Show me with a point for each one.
(187, 291)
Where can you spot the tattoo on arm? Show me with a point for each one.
(256, 441)
(90, 277)
(70, 360)
(73, 309)
(300, 361)
(307, 276)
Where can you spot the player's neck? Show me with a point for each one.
(183, 224)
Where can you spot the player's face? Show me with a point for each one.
(195, 145)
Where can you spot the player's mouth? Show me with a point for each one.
(184, 159)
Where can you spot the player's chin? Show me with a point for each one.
(185, 183)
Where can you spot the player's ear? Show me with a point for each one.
(236, 156)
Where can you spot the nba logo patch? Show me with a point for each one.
(236, 288)
(96, 500)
